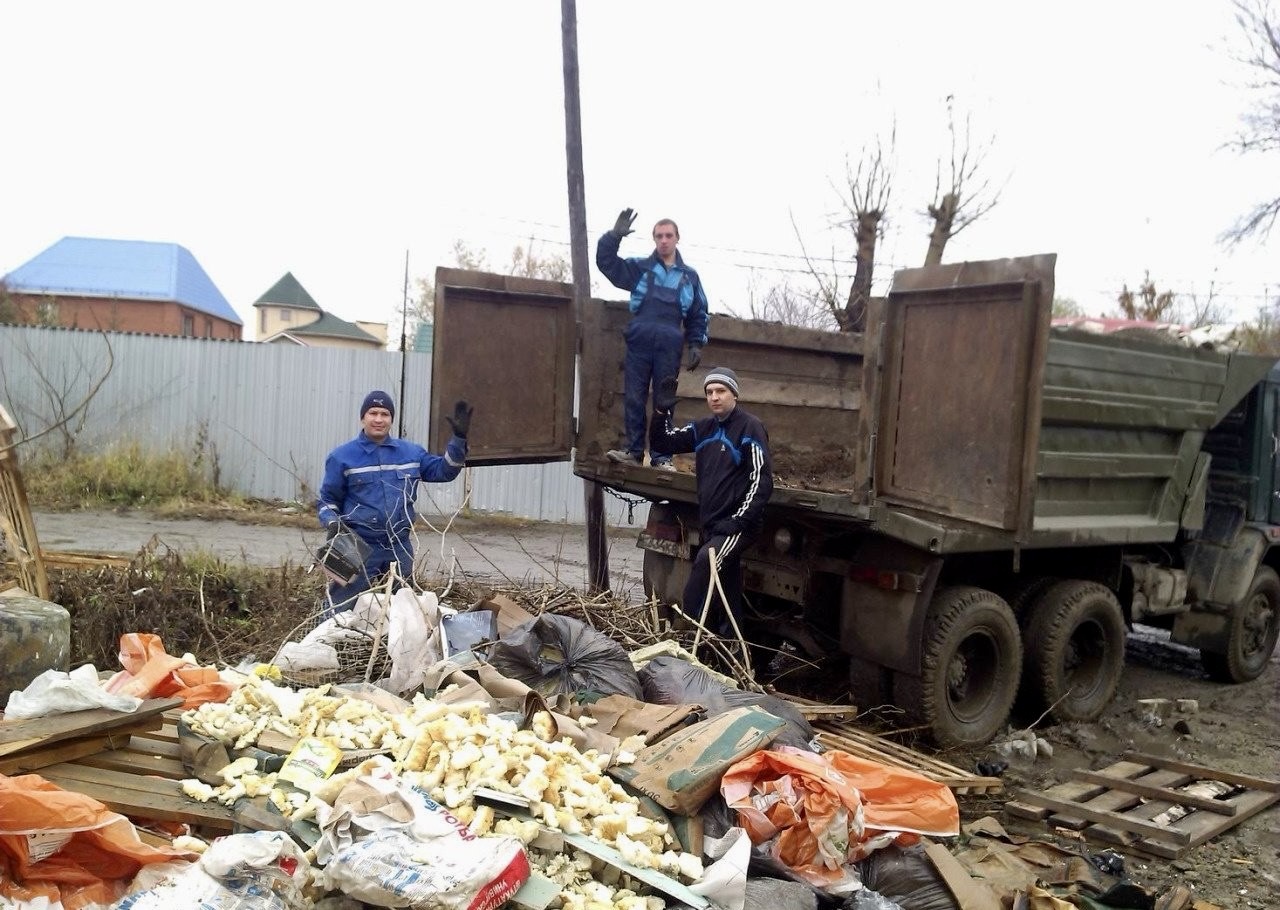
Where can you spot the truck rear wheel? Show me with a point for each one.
(1074, 651)
(1255, 624)
(970, 664)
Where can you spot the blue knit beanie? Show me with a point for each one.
(377, 399)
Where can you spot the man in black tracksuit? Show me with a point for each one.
(735, 480)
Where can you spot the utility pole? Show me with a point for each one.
(593, 492)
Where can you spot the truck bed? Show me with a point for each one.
(959, 422)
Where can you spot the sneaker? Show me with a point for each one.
(662, 465)
(621, 456)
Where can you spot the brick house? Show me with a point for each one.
(121, 286)
(288, 314)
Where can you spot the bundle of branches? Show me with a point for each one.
(197, 603)
(633, 624)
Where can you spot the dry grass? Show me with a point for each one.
(214, 609)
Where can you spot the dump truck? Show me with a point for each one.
(970, 505)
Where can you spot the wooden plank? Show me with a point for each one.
(958, 780)
(160, 747)
(136, 763)
(167, 733)
(36, 758)
(16, 735)
(1118, 801)
(1203, 773)
(1114, 819)
(1072, 791)
(145, 797)
(1200, 828)
(888, 748)
(1220, 807)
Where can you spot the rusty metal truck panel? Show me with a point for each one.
(963, 355)
(795, 380)
(511, 344)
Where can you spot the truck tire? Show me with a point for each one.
(1075, 638)
(1255, 624)
(870, 684)
(971, 658)
(1026, 591)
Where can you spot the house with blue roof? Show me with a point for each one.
(121, 286)
(287, 314)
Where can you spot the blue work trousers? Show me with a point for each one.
(653, 353)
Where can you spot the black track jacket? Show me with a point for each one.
(735, 473)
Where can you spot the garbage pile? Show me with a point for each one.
(548, 767)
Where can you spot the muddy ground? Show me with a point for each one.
(1236, 728)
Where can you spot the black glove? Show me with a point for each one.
(461, 419)
(622, 227)
(695, 357)
(331, 529)
(664, 395)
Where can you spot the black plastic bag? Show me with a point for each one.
(671, 681)
(906, 876)
(556, 655)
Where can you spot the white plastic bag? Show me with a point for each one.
(55, 692)
(409, 625)
(410, 851)
(264, 870)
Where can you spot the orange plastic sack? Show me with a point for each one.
(151, 672)
(66, 846)
(823, 811)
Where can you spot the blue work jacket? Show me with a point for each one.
(371, 486)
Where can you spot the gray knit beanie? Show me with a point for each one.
(722, 375)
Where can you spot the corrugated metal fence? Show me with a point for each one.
(268, 413)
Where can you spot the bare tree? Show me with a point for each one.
(865, 200)
(1067, 308)
(524, 262)
(67, 389)
(1261, 335)
(1147, 303)
(1196, 310)
(968, 194)
(528, 264)
(1260, 125)
(788, 305)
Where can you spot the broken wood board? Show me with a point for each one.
(1120, 804)
(848, 738)
(34, 758)
(19, 735)
(141, 778)
(139, 796)
(815, 710)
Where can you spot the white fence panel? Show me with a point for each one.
(265, 414)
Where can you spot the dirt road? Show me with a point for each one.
(525, 551)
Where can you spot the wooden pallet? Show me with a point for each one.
(848, 738)
(1117, 805)
(140, 778)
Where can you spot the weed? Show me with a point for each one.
(124, 475)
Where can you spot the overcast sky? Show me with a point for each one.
(328, 140)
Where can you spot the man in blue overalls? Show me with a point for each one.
(668, 310)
